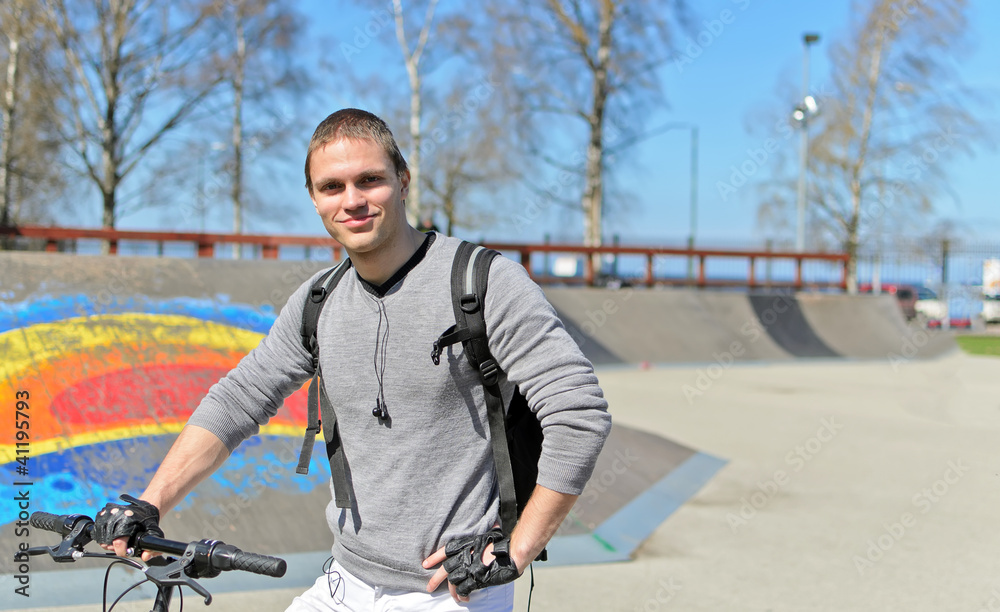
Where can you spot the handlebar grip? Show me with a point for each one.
(47, 521)
(258, 564)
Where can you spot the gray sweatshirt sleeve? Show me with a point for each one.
(250, 394)
(538, 355)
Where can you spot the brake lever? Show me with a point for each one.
(170, 572)
(71, 547)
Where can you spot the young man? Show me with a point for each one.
(420, 465)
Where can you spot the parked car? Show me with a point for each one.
(906, 295)
(991, 308)
(929, 306)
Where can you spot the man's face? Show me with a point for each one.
(357, 194)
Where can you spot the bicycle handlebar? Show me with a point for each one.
(208, 556)
(46, 521)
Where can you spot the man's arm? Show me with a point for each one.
(194, 456)
(545, 511)
(539, 356)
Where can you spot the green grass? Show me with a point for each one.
(980, 345)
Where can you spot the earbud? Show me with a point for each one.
(379, 411)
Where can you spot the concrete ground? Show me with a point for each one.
(850, 486)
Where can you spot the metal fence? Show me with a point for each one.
(953, 269)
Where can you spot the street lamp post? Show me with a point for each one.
(693, 214)
(802, 113)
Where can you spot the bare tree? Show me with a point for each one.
(13, 25)
(576, 64)
(467, 149)
(412, 57)
(892, 114)
(262, 37)
(138, 70)
(429, 35)
(28, 150)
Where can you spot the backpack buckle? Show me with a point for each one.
(469, 303)
(317, 294)
(489, 371)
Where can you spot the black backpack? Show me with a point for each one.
(515, 435)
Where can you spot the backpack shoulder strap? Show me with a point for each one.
(469, 283)
(311, 310)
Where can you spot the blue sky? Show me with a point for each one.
(739, 70)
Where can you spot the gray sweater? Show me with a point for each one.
(425, 476)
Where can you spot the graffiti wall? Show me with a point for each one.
(110, 357)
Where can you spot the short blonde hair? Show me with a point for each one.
(355, 124)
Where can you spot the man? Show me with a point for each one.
(420, 464)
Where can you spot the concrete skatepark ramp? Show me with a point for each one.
(114, 354)
(689, 326)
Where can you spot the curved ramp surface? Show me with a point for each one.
(660, 326)
(783, 319)
(691, 326)
(114, 354)
(870, 327)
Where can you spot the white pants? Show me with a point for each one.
(340, 591)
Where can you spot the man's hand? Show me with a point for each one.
(442, 574)
(541, 518)
(471, 563)
(117, 526)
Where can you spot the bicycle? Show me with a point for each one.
(194, 560)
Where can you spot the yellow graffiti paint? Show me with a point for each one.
(26, 347)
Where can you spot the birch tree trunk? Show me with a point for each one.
(9, 114)
(239, 75)
(412, 59)
(858, 164)
(593, 192)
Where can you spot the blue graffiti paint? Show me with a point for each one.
(46, 309)
(83, 479)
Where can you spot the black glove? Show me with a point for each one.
(465, 562)
(129, 521)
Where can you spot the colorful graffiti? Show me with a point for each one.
(109, 386)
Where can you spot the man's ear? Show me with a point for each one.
(404, 180)
(312, 196)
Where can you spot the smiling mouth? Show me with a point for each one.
(357, 221)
